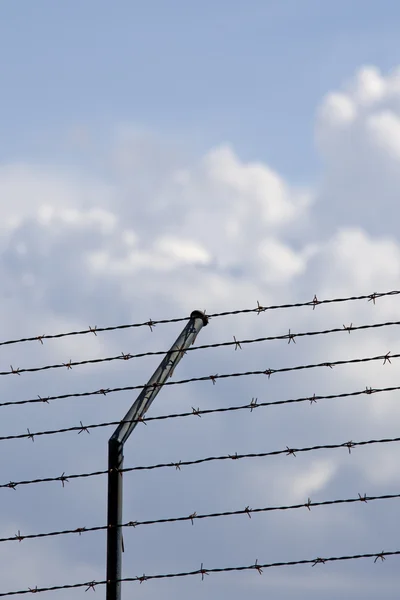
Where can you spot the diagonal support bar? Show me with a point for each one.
(116, 445)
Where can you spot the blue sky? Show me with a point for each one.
(160, 157)
(248, 73)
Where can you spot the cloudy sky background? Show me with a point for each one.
(157, 158)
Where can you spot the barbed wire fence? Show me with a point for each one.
(91, 585)
(252, 406)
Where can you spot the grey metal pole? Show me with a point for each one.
(116, 445)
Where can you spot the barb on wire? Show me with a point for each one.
(212, 378)
(178, 464)
(194, 516)
(151, 324)
(236, 343)
(203, 571)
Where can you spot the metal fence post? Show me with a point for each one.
(116, 445)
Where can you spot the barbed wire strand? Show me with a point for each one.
(18, 537)
(178, 464)
(151, 324)
(291, 337)
(198, 413)
(104, 391)
(91, 585)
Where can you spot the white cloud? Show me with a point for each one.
(384, 128)
(24, 188)
(103, 219)
(182, 251)
(337, 110)
(312, 480)
(353, 259)
(369, 86)
(357, 132)
(254, 185)
(279, 263)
